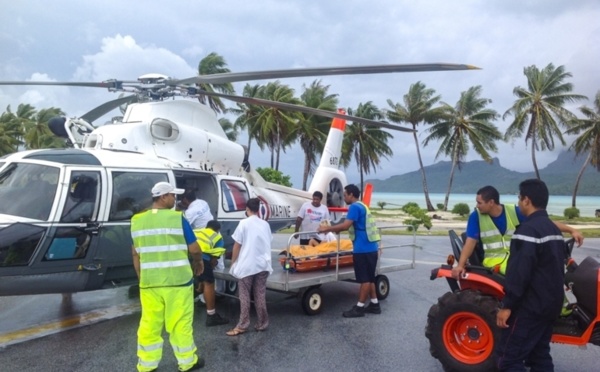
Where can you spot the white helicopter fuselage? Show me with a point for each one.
(65, 213)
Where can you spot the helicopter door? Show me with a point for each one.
(74, 235)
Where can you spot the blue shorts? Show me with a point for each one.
(365, 265)
(207, 275)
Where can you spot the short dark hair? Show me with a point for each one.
(536, 190)
(189, 195)
(214, 225)
(489, 193)
(352, 190)
(253, 204)
(318, 194)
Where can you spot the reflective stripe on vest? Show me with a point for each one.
(159, 241)
(207, 239)
(370, 228)
(496, 245)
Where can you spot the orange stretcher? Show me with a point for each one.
(303, 258)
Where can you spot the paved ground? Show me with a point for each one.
(392, 341)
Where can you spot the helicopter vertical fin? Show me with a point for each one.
(328, 178)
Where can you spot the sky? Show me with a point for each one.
(96, 41)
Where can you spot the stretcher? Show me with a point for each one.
(306, 285)
(325, 256)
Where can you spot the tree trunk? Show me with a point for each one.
(535, 167)
(305, 173)
(449, 185)
(425, 190)
(585, 164)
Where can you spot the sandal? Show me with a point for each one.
(235, 332)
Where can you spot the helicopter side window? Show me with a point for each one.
(83, 197)
(28, 190)
(68, 243)
(18, 242)
(131, 193)
(235, 195)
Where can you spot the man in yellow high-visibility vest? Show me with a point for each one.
(162, 239)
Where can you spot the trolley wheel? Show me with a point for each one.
(382, 287)
(312, 301)
(231, 287)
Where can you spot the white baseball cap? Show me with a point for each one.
(163, 188)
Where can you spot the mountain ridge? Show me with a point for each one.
(559, 175)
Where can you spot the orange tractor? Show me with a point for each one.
(461, 327)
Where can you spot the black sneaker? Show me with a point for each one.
(373, 308)
(199, 364)
(355, 312)
(215, 320)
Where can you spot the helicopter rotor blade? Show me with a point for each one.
(232, 77)
(306, 110)
(104, 84)
(99, 111)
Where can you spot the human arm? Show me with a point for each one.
(136, 261)
(337, 228)
(298, 223)
(466, 252)
(576, 234)
(236, 252)
(520, 267)
(502, 318)
(193, 247)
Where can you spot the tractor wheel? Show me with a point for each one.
(231, 287)
(462, 331)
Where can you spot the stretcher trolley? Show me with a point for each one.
(305, 285)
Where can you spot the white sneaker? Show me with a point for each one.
(200, 298)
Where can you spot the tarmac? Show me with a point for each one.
(96, 331)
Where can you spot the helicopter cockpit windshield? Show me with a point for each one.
(28, 190)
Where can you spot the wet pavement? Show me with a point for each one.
(96, 331)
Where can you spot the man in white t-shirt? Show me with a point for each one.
(309, 218)
(197, 211)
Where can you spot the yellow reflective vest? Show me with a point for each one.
(207, 239)
(496, 246)
(371, 226)
(160, 243)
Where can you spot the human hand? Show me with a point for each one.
(458, 272)
(502, 318)
(578, 236)
(198, 268)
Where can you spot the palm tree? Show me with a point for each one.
(229, 128)
(214, 64)
(37, 133)
(248, 114)
(10, 132)
(417, 108)
(589, 139)
(367, 144)
(312, 129)
(539, 109)
(276, 125)
(468, 122)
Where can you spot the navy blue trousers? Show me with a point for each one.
(526, 339)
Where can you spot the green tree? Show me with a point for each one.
(276, 125)
(418, 108)
(469, 122)
(214, 64)
(539, 110)
(37, 133)
(11, 132)
(274, 176)
(229, 128)
(588, 140)
(365, 143)
(248, 115)
(312, 130)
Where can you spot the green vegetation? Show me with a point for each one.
(461, 209)
(381, 204)
(571, 213)
(274, 176)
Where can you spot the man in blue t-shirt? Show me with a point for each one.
(365, 252)
(488, 202)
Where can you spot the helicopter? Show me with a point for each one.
(65, 213)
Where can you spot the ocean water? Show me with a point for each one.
(587, 204)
